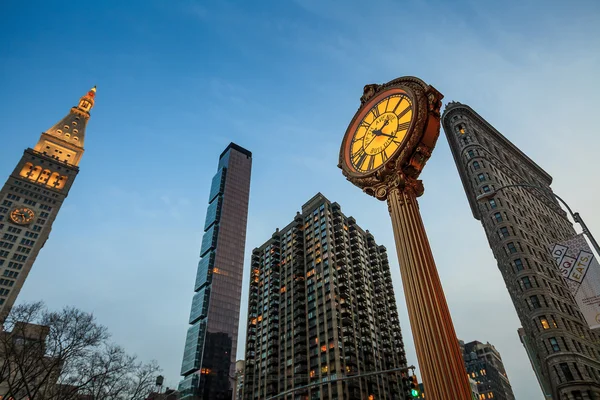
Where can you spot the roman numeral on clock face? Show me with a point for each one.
(406, 110)
(398, 104)
(384, 156)
(404, 126)
(359, 157)
(371, 163)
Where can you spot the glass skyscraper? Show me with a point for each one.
(208, 366)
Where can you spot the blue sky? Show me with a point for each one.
(178, 80)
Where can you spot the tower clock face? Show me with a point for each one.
(22, 215)
(378, 132)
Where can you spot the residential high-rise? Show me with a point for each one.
(33, 195)
(484, 365)
(208, 366)
(520, 224)
(321, 306)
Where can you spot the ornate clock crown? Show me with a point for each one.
(407, 162)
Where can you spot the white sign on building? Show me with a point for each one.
(581, 270)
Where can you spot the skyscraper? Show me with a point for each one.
(208, 366)
(321, 306)
(33, 195)
(484, 365)
(520, 224)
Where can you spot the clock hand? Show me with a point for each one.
(378, 132)
(385, 134)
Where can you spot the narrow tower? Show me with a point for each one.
(33, 194)
(520, 224)
(208, 366)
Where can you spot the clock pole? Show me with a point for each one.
(441, 363)
(440, 360)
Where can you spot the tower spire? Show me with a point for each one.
(64, 141)
(86, 102)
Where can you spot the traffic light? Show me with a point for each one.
(414, 387)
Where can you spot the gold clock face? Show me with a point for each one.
(22, 216)
(379, 134)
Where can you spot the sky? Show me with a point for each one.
(179, 80)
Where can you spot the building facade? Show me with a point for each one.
(484, 366)
(521, 224)
(208, 366)
(33, 195)
(321, 306)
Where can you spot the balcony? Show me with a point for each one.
(298, 268)
(346, 321)
(300, 348)
(300, 359)
(299, 297)
(299, 337)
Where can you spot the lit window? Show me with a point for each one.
(544, 322)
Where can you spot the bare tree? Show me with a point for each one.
(66, 355)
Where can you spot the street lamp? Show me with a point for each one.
(576, 217)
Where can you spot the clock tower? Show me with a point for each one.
(33, 194)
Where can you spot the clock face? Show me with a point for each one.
(22, 216)
(379, 132)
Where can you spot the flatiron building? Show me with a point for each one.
(520, 224)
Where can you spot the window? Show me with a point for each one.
(556, 347)
(544, 322)
(566, 371)
(511, 247)
(503, 232)
(481, 177)
(527, 283)
(493, 203)
(535, 302)
(486, 189)
(519, 264)
(471, 154)
(476, 165)
(498, 217)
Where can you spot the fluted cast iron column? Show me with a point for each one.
(440, 360)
